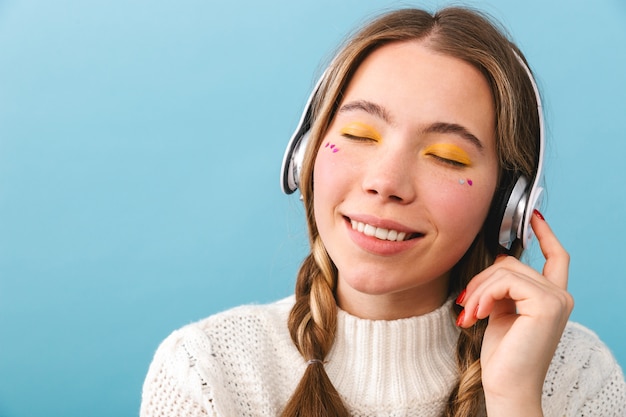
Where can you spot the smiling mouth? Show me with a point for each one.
(382, 233)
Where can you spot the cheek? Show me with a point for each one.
(327, 167)
(333, 165)
(462, 203)
(329, 176)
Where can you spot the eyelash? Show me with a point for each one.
(358, 138)
(451, 162)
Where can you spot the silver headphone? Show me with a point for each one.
(518, 201)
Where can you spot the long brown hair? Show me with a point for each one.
(476, 39)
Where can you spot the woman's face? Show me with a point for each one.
(405, 175)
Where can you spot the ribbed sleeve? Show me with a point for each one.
(583, 379)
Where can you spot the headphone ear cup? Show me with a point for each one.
(294, 161)
(496, 213)
(513, 213)
(507, 211)
(294, 154)
(534, 201)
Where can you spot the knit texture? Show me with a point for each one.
(242, 363)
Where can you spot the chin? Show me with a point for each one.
(387, 286)
(374, 285)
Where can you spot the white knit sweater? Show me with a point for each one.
(242, 363)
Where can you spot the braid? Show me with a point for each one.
(312, 325)
(467, 397)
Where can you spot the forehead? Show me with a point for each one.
(413, 85)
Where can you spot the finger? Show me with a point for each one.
(509, 293)
(502, 262)
(497, 295)
(557, 259)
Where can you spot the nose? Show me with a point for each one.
(391, 176)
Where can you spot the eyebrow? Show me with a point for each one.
(368, 107)
(442, 127)
(437, 127)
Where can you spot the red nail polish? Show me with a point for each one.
(538, 214)
(461, 296)
(460, 319)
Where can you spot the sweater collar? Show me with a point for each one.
(381, 362)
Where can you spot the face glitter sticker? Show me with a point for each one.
(468, 181)
(332, 146)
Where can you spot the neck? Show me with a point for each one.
(394, 305)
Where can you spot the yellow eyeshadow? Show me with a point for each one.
(361, 130)
(448, 151)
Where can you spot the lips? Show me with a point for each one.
(381, 232)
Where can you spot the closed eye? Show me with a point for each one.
(360, 132)
(452, 162)
(358, 138)
(449, 154)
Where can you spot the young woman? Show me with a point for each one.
(412, 301)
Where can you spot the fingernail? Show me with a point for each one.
(538, 214)
(461, 318)
(461, 296)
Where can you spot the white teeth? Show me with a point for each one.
(378, 232)
(369, 230)
(381, 233)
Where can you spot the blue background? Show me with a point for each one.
(140, 146)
